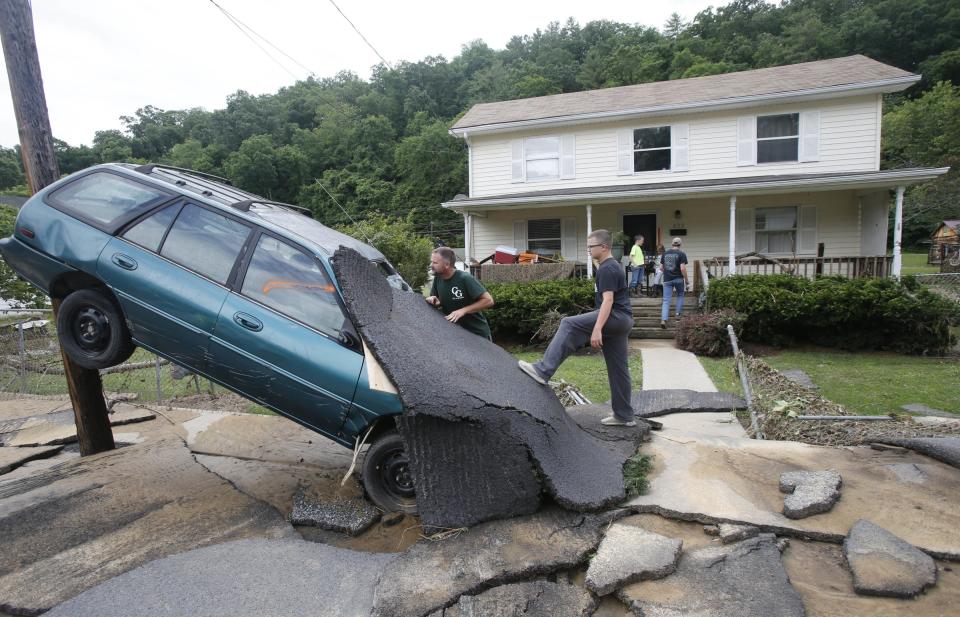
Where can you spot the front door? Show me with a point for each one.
(282, 338)
(645, 224)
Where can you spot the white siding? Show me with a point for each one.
(707, 222)
(849, 138)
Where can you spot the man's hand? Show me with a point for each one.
(596, 339)
(455, 316)
(433, 301)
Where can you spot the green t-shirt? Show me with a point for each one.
(636, 254)
(458, 291)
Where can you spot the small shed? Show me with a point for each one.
(946, 235)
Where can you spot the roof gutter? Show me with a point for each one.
(892, 84)
(869, 180)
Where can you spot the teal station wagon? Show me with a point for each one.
(232, 286)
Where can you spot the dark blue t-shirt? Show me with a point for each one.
(610, 277)
(671, 264)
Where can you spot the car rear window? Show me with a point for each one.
(105, 198)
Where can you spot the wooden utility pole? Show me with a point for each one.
(40, 166)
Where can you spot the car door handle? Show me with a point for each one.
(248, 321)
(124, 261)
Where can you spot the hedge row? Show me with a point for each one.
(837, 312)
(521, 307)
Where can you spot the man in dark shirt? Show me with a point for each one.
(605, 328)
(458, 294)
(675, 279)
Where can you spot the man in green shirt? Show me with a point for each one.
(636, 263)
(458, 294)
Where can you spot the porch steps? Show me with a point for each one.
(646, 317)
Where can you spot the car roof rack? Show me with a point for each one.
(147, 169)
(244, 206)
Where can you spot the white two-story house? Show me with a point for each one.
(782, 161)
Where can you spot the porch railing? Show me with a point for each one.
(808, 267)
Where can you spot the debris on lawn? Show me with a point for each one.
(779, 400)
(568, 393)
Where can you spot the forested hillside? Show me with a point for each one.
(382, 144)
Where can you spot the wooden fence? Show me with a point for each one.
(807, 267)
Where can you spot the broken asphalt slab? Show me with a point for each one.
(11, 458)
(79, 523)
(654, 403)
(810, 492)
(945, 449)
(628, 554)
(715, 479)
(246, 578)
(885, 565)
(59, 427)
(534, 598)
(432, 575)
(746, 579)
(352, 515)
(479, 383)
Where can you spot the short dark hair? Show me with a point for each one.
(638, 237)
(602, 236)
(446, 253)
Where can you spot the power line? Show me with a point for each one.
(344, 210)
(357, 30)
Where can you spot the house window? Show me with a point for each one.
(541, 158)
(778, 138)
(544, 236)
(776, 230)
(651, 149)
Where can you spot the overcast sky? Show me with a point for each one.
(105, 58)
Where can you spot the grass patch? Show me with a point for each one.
(588, 372)
(635, 472)
(916, 263)
(722, 373)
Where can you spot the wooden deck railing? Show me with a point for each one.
(807, 267)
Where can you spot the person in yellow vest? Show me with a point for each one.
(636, 262)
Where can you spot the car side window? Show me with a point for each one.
(148, 233)
(291, 282)
(105, 197)
(206, 242)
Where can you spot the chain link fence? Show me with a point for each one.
(946, 284)
(31, 366)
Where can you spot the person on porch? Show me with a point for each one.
(605, 328)
(637, 263)
(675, 279)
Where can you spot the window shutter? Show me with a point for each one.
(520, 235)
(680, 147)
(746, 234)
(807, 231)
(568, 148)
(569, 237)
(746, 141)
(809, 136)
(516, 148)
(624, 152)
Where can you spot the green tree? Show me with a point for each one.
(11, 173)
(397, 239)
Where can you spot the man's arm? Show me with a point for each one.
(606, 306)
(485, 301)
(683, 271)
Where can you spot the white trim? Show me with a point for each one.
(732, 257)
(469, 169)
(898, 234)
(589, 231)
(893, 84)
(882, 179)
(878, 124)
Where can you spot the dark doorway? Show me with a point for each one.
(645, 224)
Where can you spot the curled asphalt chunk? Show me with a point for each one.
(811, 492)
(445, 372)
(653, 403)
(886, 565)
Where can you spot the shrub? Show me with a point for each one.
(836, 312)
(706, 334)
(396, 239)
(522, 307)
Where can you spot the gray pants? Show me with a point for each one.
(575, 332)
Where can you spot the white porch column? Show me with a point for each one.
(467, 239)
(589, 231)
(898, 233)
(732, 265)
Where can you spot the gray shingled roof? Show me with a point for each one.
(714, 88)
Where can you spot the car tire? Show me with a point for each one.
(387, 478)
(92, 331)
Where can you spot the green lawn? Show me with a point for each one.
(587, 371)
(864, 383)
(916, 263)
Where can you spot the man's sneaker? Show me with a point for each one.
(663, 324)
(531, 370)
(615, 421)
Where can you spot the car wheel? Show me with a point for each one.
(387, 477)
(92, 331)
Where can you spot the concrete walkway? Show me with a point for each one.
(667, 368)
